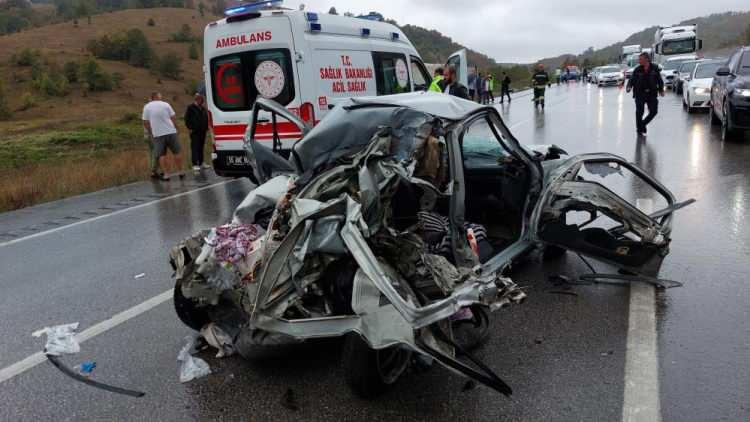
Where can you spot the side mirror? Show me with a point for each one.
(657, 49)
(723, 71)
(700, 45)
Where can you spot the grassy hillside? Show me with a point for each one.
(717, 31)
(60, 145)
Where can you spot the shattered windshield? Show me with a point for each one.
(480, 146)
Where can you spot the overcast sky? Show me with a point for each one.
(526, 30)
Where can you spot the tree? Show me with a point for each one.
(202, 9)
(332, 11)
(747, 34)
(71, 71)
(193, 51)
(138, 50)
(97, 79)
(185, 34)
(170, 66)
(219, 8)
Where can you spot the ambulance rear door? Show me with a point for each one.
(251, 58)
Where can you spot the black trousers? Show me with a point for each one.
(504, 93)
(653, 107)
(197, 142)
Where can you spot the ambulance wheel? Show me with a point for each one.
(187, 310)
(369, 372)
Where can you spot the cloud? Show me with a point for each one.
(526, 30)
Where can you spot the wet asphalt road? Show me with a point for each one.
(563, 355)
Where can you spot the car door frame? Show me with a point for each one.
(458, 199)
(662, 218)
(463, 66)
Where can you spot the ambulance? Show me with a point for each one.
(305, 61)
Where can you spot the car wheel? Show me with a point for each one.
(712, 119)
(188, 311)
(371, 372)
(728, 132)
(472, 333)
(690, 109)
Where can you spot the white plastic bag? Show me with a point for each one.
(191, 367)
(60, 339)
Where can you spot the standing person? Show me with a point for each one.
(196, 120)
(647, 84)
(472, 85)
(450, 84)
(435, 85)
(505, 87)
(159, 121)
(153, 162)
(539, 81)
(479, 81)
(491, 88)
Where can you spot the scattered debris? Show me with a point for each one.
(191, 367)
(60, 339)
(216, 337)
(289, 400)
(85, 368)
(141, 275)
(608, 353)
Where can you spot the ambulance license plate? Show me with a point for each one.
(237, 160)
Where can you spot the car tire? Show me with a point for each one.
(187, 310)
(369, 372)
(687, 104)
(712, 119)
(728, 132)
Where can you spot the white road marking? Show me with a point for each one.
(113, 213)
(87, 334)
(641, 397)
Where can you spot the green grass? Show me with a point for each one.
(86, 141)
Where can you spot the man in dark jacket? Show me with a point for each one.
(450, 85)
(505, 88)
(647, 84)
(196, 120)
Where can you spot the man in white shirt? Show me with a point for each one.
(159, 121)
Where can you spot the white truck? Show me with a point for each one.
(629, 56)
(674, 45)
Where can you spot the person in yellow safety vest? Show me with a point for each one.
(435, 85)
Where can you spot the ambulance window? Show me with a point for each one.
(229, 87)
(420, 75)
(238, 79)
(391, 73)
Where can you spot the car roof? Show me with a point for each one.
(350, 126)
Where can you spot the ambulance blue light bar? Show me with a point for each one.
(394, 36)
(315, 27)
(311, 16)
(250, 7)
(365, 32)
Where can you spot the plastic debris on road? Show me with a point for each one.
(191, 367)
(219, 339)
(141, 275)
(85, 368)
(60, 339)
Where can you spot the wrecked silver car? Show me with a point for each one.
(390, 223)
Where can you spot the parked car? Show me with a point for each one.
(393, 220)
(669, 69)
(610, 76)
(696, 91)
(592, 75)
(730, 95)
(683, 74)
